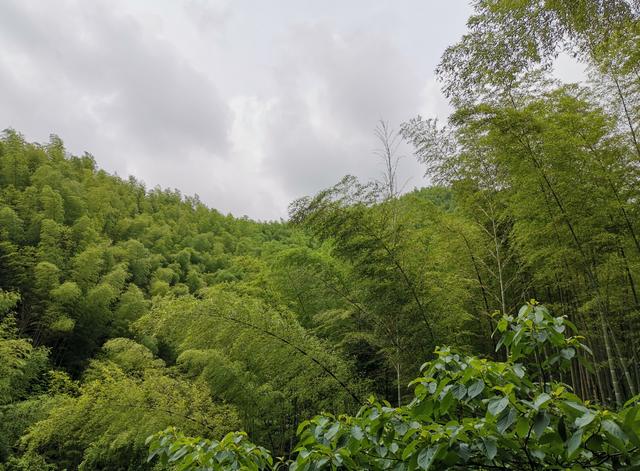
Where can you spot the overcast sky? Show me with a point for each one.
(249, 104)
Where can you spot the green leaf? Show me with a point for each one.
(490, 447)
(426, 457)
(568, 353)
(497, 405)
(506, 419)
(538, 454)
(541, 400)
(630, 416)
(332, 431)
(302, 426)
(522, 427)
(423, 409)
(459, 391)
(446, 402)
(576, 406)
(540, 423)
(179, 454)
(614, 429)
(584, 420)
(408, 451)
(629, 426)
(476, 388)
(539, 316)
(518, 369)
(574, 443)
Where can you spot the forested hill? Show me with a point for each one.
(122, 299)
(372, 330)
(86, 249)
(126, 310)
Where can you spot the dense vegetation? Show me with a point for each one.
(467, 413)
(126, 311)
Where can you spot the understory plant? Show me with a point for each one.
(467, 413)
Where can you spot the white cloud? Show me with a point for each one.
(433, 102)
(248, 104)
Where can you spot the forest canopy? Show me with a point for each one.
(375, 329)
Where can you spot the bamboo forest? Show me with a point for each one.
(489, 320)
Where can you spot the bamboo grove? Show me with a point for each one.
(127, 310)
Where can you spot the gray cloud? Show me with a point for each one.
(208, 16)
(333, 90)
(248, 104)
(90, 67)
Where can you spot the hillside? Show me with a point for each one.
(374, 329)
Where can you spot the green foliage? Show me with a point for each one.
(125, 396)
(389, 278)
(233, 451)
(531, 330)
(467, 413)
(88, 253)
(260, 325)
(252, 356)
(15, 421)
(506, 40)
(473, 413)
(20, 361)
(21, 367)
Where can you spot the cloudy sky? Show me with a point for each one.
(247, 103)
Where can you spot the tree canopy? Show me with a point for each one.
(374, 329)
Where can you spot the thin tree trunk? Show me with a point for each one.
(398, 385)
(590, 275)
(627, 115)
(611, 362)
(623, 364)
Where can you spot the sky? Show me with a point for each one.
(247, 103)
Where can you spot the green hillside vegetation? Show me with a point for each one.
(140, 329)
